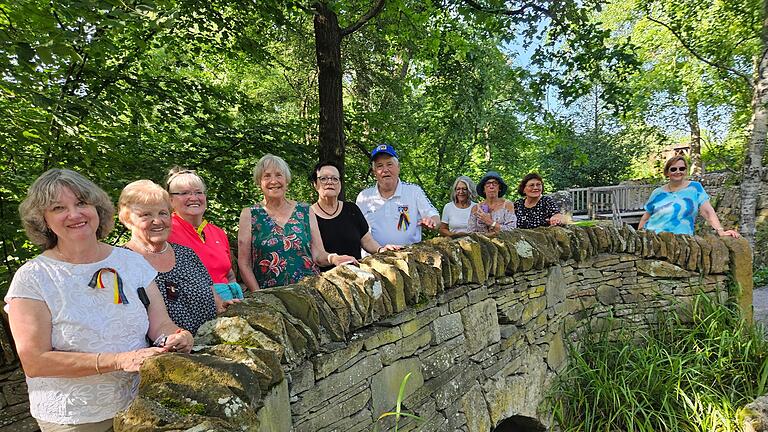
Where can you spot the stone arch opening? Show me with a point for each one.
(520, 424)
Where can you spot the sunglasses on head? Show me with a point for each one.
(676, 169)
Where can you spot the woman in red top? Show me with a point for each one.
(189, 228)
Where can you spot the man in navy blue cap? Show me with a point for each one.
(395, 210)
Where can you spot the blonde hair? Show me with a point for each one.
(141, 192)
(46, 190)
(270, 160)
(183, 177)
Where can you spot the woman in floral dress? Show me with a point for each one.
(279, 241)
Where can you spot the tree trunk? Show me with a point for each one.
(697, 166)
(753, 162)
(328, 51)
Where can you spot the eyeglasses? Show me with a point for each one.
(492, 182)
(188, 193)
(332, 179)
(676, 169)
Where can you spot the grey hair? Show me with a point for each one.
(472, 193)
(184, 177)
(373, 162)
(270, 160)
(46, 190)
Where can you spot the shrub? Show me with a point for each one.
(680, 376)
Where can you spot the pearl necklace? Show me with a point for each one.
(160, 252)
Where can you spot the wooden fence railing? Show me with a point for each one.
(610, 201)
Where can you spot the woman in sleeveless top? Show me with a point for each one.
(278, 241)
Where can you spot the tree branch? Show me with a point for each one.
(701, 58)
(517, 12)
(372, 12)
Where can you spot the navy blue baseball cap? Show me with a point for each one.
(383, 148)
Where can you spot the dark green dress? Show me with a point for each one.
(281, 255)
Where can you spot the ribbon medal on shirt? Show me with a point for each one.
(405, 220)
(101, 279)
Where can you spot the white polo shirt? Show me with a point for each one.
(395, 220)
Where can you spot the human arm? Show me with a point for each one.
(554, 217)
(160, 324)
(508, 220)
(643, 220)
(319, 254)
(444, 231)
(371, 246)
(709, 214)
(244, 251)
(31, 327)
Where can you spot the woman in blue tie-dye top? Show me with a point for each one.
(674, 206)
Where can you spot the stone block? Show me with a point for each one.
(326, 364)
(439, 358)
(382, 336)
(556, 354)
(385, 384)
(332, 413)
(392, 280)
(336, 383)
(481, 325)
(474, 408)
(608, 294)
(271, 416)
(422, 319)
(301, 378)
(447, 327)
(472, 251)
(404, 261)
(661, 269)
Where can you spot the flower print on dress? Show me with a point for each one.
(275, 266)
(291, 242)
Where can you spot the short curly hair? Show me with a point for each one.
(526, 179)
(139, 193)
(46, 190)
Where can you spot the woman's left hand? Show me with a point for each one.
(181, 341)
(729, 233)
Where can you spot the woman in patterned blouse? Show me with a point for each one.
(534, 209)
(184, 283)
(278, 240)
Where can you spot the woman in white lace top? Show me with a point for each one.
(78, 312)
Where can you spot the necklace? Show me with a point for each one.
(331, 213)
(160, 252)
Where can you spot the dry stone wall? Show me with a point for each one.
(481, 325)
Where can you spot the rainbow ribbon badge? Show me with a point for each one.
(405, 221)
(98, 282)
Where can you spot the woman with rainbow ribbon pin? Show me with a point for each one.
(79, 312)
(190, 229)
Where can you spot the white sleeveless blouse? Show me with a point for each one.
(86, 319)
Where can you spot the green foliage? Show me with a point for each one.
(760, 276)
(593, 158)
(683, 375)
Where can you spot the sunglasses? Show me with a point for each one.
(676, 169)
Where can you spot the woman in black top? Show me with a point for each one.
(343, 227)
(535, 210)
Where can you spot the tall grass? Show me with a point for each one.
(680, 376)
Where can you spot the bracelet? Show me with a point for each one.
(493, 225)
(379, 249)
(98, 371)
(330, 256)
